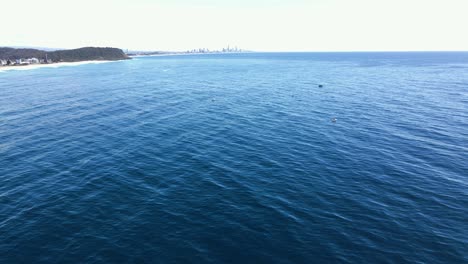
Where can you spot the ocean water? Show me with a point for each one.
(234, 158)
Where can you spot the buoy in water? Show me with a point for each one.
(333, 120)
(320, 86)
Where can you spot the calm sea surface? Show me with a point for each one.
(235, 159)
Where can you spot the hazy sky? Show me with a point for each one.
(263, 25)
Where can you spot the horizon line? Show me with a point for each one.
(242, 50)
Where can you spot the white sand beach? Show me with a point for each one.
(52, 65)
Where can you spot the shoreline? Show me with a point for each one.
(52, 65)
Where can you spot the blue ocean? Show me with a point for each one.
(237, 158)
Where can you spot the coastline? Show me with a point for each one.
(158, 55)
(52, 65)
(184, 54)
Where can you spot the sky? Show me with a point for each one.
(259, 25)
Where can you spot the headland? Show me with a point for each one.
(11, 57)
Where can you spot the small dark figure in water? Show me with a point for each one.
(333, 120)
(320, 85)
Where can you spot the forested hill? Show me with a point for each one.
(87, 54)
(13, 54)
(81, 54)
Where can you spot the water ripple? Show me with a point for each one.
(234, 158)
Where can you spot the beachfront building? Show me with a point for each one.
(27, 61)
(33, 61)
(45, 61)
(3, 62)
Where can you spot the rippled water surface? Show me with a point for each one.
(234, 159)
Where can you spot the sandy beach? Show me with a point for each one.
(53, 65)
